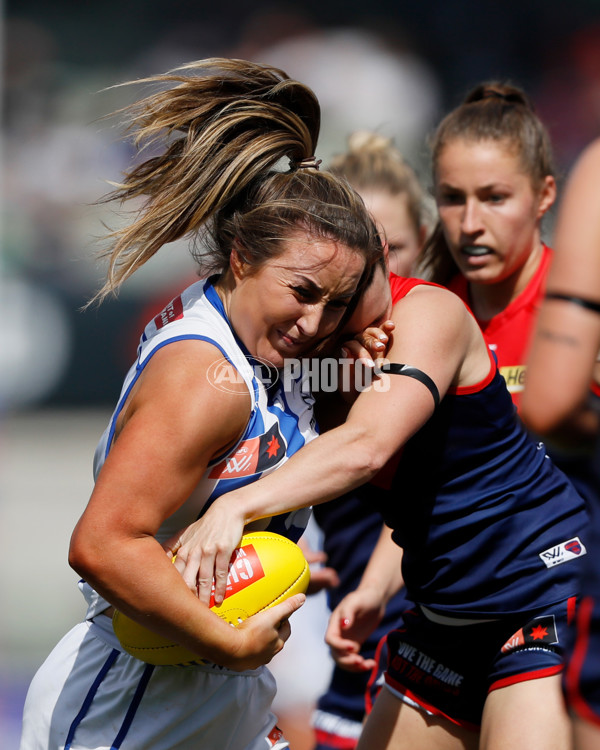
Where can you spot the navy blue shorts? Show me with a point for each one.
(582, 675)
(449, 669)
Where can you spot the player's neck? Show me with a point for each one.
(489, 300)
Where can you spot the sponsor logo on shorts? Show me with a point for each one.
(275, 739)
(420, 668)
(563, 552)
(541, 630)
(336, 729)
(245, 569)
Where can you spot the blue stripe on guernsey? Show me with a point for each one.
(214, 299)
(140, 369)
(90, 697)
(290, 418)
(133, 707)
(288, 421)
(293, 439)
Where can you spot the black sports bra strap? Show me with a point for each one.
(393, 368)
(588, 304)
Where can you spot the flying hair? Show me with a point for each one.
(213, 133)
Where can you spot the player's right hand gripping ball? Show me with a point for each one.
(264, 570)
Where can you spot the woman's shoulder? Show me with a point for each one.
(431, 313)
(402, 285)
(197, 312)
(590, 158)
(192, 333)
(428, 292)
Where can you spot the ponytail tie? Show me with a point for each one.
(311, 163)
(493, 94)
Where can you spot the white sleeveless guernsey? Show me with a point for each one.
(280, 422)
(89, 693)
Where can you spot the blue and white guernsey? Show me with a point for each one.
(281, 421)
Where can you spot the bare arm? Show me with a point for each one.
(174, 424)
(567, 338)
(434, 333)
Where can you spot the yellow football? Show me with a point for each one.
(264, 570)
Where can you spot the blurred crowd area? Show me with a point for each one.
(383, 66)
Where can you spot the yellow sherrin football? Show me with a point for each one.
(264, 570)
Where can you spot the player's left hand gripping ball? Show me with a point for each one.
(264, 570)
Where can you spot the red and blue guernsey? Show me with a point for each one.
(488, 524)
(509, 333)
(281, 421)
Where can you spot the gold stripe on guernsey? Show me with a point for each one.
(514, 375)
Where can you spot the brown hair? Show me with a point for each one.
(491, 111)
(372, 162)
(218, 135)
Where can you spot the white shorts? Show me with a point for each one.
(91, 695)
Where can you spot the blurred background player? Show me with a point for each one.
(562, 361)
(391, 190)
(493, 182)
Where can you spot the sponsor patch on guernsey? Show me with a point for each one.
(173, 311)
(563, 552)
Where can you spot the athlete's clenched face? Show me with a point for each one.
(489, 208)
(288, 305)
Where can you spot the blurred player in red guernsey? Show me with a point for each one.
(493, 180)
